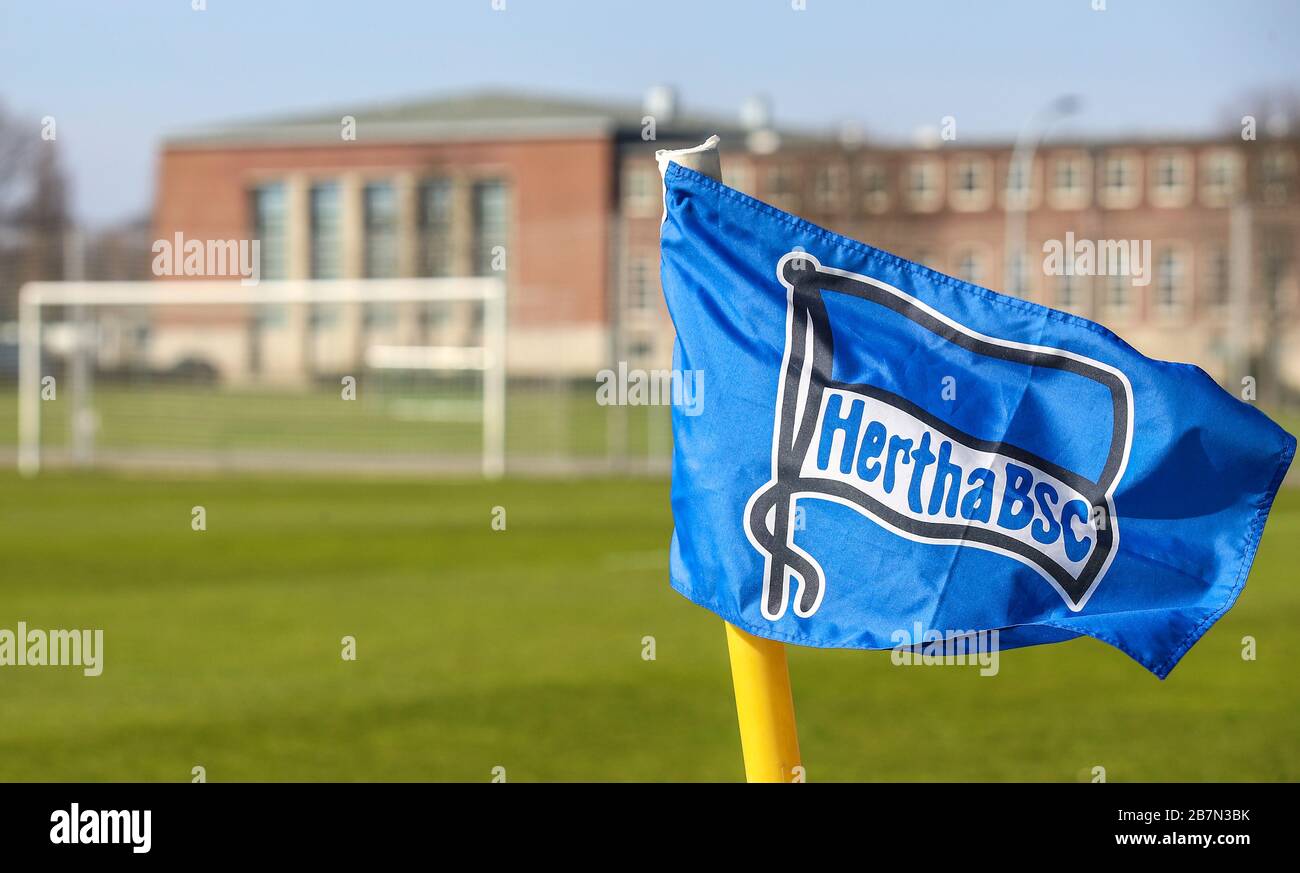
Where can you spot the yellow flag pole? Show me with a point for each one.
(759, 673)
(765, 708)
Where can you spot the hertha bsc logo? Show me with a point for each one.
(844, 433)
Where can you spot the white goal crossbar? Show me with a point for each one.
(488, 358)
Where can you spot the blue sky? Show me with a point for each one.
(118, 75)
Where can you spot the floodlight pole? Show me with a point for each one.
(769, 738)
(1239, 310)
(1022, 163)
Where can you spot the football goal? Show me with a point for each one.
(361, 375)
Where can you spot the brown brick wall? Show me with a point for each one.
(561, 200)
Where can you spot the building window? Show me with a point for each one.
(380, 204)
(1220, 170)
(782, 187)
(433, 315)
(971, 190)
(1119, 174)
(1275, 264)
(875, 188)
(1118, 289)
(326, 206)
(435, 227)
(323, 316)
(379, 216)
(1019, 187)
(1170, 180)
(1070, 292)
(1218, 278)
(640, 349)
(1170, 281)
(1068, 178)
(830, 184)
(1120, 185)
(641, 285)
(1276, 171)
(491, 203)
(1069, 189)
(1017, 278)
(969, 265)
(271, 227)
(380, 316)
(641, 192)
(924, 185)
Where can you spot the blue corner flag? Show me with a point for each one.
(884, 447)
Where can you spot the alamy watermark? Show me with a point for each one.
(932, 648)
(214, 258)
(36, 647)
(1103, 257)
(635, 387)
(77, 826)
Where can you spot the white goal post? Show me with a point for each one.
(78, 306)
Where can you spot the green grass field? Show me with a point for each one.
(522, 649)
(389, 418)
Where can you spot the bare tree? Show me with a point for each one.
(18, 150)
(33, 208)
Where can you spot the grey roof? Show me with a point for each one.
(497, 113)
(467, 115)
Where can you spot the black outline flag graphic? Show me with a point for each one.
(807, 374)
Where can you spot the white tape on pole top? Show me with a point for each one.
(703, 158)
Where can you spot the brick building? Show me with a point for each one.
(570, 192)
(450, 187)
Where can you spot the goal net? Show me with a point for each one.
(407, 375)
